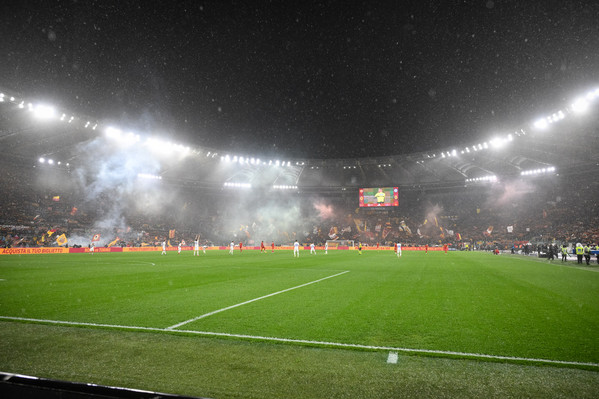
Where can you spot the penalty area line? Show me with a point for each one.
(396, 350)
(251, 300)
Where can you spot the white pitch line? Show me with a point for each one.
(250, 301)
(475, 356)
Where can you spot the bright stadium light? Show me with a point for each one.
(237, 185)
(541, 123)
(42, 160)
(580, 106)
(113, 132)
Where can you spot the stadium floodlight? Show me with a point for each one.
(22, 104)
(50, 162)
(237, 185)
(42, 160)
(113, 132)
(580, 106)
(498, 142)
(541, 123)
(534, 172)
(454, 153)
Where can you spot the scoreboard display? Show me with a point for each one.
(379, 196)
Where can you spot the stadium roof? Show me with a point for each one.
(565, 141)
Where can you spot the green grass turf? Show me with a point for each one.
(459, 302)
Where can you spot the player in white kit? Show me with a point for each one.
(296, 249)
(398, 249)
(312, 249)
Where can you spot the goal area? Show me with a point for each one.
(334, 244)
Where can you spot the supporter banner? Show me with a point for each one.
(27, 251)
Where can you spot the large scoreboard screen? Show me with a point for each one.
(379, 196)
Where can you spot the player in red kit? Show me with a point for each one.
(273, 247)
(240, 246)
(445, 248)
(262, 247)
(426, 248)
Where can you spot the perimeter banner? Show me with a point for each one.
(26, 251)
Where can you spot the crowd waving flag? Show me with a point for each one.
(61, 240)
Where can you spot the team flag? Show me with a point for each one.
(333, 233)
(61, 240)
(171, 233)
(56, 198)
(96, 237)
(73, 211)
(110, 244)
(458, 236)
(50, 232)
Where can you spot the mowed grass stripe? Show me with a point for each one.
(121, 290)
(328, 344)
(456, 302)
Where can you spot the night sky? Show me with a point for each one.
(327, 79)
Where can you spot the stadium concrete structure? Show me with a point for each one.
(560, 147)
(562, 140)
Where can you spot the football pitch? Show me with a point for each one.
(506, 310)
